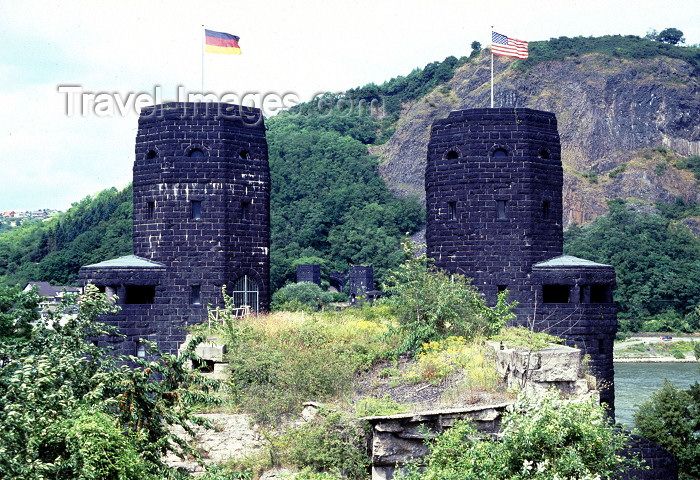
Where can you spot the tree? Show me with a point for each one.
(69, 410)
(657, 262)
(671, 35)
(18, 311)
(431, 304)
(671, 418)
(476, 48)
(301, 296)
(543, 438)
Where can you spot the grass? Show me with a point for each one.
(280, 360)
(525, 338)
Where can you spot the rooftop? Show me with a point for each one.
(128, 261)
(568, 261)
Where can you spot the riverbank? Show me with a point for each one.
(654, 360)
(657, 349)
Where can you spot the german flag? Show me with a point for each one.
(219, 42)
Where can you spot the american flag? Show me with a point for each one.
(508, 47)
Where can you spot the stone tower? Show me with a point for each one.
(201, 221)
(493, 185)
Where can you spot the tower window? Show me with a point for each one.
(151, 154)
(196, 295)
(452, 210)
(544, 154)
(150, 210)
(245, 293)
(499, 153)
(502, 288)
(600, 293)
(244, 154)
(245, 209)
(555, 293)
(139, 294)
(545, 210)
(501, 209)
(452, 155)
(196, 153)
(196, 209)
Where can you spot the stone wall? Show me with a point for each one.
(309, 273)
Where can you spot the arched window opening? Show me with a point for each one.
(196, 153)
(544, 154)
(452, 155)
(244, 154)
(499, 153)
(245, 293)
(151, 154)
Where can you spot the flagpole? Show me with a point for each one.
(203, 42)
(491, 66)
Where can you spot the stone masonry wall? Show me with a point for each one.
(493, 190)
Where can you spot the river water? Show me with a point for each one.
(635, 382)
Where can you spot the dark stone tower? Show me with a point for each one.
(201, 220)
(493, 185)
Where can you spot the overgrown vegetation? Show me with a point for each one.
(431, 304)
(93, 230)
(333, 443)
(542, 438)
(657, 262)
(671, 418)
(299, 296)
(281, 360)
(440, 359)
(627, 46)
(68, 410)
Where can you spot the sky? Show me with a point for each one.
(58, 147)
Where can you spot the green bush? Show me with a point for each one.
(332, 443)
(542, 437)
(68, 409)
(295, 297)
(431, 304)
(671, 418)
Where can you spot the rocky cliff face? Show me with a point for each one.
(613, 116)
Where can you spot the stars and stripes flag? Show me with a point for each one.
(508, 47)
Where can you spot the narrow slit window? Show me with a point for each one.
(501, 209)
(546, 210)
(151, 210)
(452, 210)
(196, 295)
(196, 210)
(245, 209)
